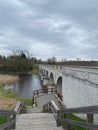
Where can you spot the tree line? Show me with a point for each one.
(16, 63)
(22, 62)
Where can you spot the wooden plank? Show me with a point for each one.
(7, 124)
(54, 106)
(82, 110)
(90, 119)
(17, 108)
(37, 92)
(7, 113)
(78, 123)
(68, 126)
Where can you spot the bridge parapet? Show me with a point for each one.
(87, 75)
(79, 85)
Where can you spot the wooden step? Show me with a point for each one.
(36, 121)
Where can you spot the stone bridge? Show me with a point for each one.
(77, 85)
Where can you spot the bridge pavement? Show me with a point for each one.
(42, 100)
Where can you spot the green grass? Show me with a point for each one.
(76, 118)
(80, 128)
(28, 102)
(10, 94)
(2, 120)
(7, 93)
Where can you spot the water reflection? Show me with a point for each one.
(25, 86)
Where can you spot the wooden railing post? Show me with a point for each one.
(90, 119)
(58, 116)
(46, 90)
(7, 119)
(68, 126)
(14, 117)
(37, 93)
(33, 100)
(55, 91)
(52, 91)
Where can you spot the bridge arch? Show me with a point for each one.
(43, 72)
(46, 73)
(59, 85)
(51, 79)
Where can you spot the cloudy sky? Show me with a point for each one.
(62, 28)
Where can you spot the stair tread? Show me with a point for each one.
(36, 121)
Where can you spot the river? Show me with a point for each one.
(25, 86)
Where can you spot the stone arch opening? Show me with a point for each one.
(43, 72)
(59, 85)
(51, 79)
(46, 73)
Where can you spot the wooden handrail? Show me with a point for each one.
(82, 110)
(51, 107)
(7, 124)
(45, 91)
(7, 113)
(78, 123)
(40, 91)
(89, 110)
(10, 116)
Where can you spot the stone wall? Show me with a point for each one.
(80, 87)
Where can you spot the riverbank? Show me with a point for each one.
(8, 79)
(24, 88)
(35, 70)
(8, 100)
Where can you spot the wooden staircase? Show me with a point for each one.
(46, 121)
(36, 121)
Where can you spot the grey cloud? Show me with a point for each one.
(84, 12)
(70, 26)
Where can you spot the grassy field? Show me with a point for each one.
(8, 79)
